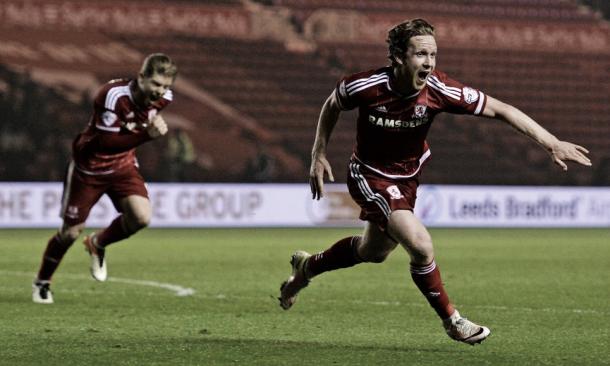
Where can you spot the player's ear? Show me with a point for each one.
(140, 80)
(397, 58)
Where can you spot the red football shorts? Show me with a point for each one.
(82, 191)
(377, 195)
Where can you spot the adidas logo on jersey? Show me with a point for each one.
(382, 108)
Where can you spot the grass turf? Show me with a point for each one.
(543, 293)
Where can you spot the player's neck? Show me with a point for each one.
(401, 84)
(138, 96)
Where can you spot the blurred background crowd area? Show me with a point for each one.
(254, 75)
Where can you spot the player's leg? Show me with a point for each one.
(412, 234)
(79, 195)
(136, 213)
(342, 254)
(373, 246)
(130, 197)
(56, 248)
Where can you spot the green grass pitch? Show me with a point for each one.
(544, 294)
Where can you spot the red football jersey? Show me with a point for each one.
(391, 127)
(116, 118)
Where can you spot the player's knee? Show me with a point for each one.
(70, 234)
(374, 257)
(422, 254)
(378, 258)
(422, 250)
(422, 258)
(139, 220)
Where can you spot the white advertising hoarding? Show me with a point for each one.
(502, 206)
(32, 205)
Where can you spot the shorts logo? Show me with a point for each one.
(470, 95)
(420, 110)
(394, 193)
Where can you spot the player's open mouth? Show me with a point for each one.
(423, 75)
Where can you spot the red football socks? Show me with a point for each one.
(428, 280)
(342, 254)
(56, 249)
(113, 233)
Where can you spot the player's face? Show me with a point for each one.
(419, 61)
(153, 87)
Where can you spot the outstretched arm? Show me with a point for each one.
(319, 164)
(560, 151)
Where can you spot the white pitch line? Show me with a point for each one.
(177, 289)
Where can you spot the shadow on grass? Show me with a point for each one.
(205, 350)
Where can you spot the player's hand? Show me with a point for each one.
(566, 151)
(319, 165)
(157, 127)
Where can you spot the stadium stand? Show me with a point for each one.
(261, 91)
(208, 128)
(533, 10)
(281, 90)
(29, 148)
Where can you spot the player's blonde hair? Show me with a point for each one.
(399, 35)
(159, 63)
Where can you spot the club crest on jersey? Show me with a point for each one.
(394, 192)
(419, 111)
(470, 95)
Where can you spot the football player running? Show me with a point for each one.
(396, 106)
(125, 115)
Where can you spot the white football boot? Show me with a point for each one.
(463, 330)
(98, 260)
(296, 282)
(41, 292)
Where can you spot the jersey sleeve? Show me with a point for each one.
(355, 90)
(345, 100)
(455, 97)
(111, 109)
